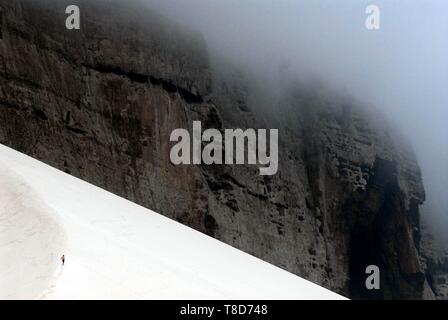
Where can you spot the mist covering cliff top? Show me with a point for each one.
(401, 69)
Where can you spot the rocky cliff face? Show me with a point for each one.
(100, 103)
(434, 257)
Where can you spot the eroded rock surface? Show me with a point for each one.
(434, 256)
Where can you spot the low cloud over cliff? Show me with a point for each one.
(401, 69)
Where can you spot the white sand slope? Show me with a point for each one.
(114, 248)
(30, 239)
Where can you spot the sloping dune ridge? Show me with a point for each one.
(31, 239)
(114, 248)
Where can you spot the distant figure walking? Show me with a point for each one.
(63, 259)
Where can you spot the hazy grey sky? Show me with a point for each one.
(402, 68)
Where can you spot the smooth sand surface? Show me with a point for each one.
(116, 249)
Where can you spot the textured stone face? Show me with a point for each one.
(100, 103)
(434, 259)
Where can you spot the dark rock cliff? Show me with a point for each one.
(434, 258)
(100, 104)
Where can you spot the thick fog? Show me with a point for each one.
(402, 68)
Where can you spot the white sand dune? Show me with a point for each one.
(116, 249)
(30, 239)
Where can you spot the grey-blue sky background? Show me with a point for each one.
(402, 68)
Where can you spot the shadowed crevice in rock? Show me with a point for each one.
(167, 85)
(382, 236)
